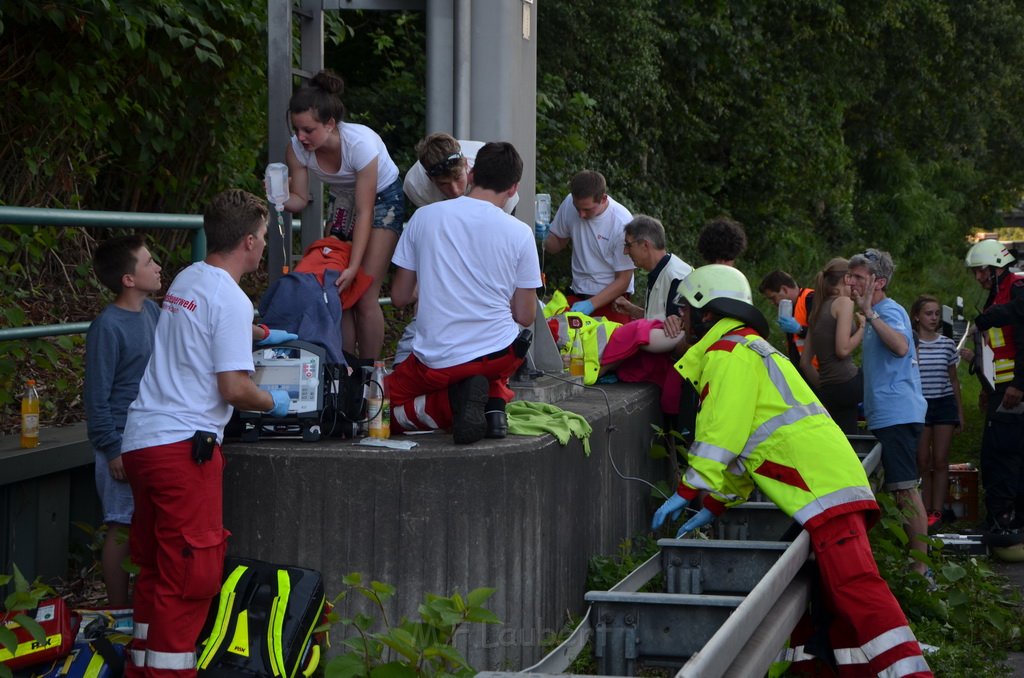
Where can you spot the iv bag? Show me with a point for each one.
(543, 207)
(275, 180)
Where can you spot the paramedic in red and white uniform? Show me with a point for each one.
(199, 370)
(477, 272)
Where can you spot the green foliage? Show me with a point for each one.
(381, 57)
(134, 106)
(131, 105)
(824, 127)
(24, 597)
(606, 571)
(85, 557)
(408, 648)
(971, 609)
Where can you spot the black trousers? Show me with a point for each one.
(1002, 464)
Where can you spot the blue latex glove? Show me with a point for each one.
(790, 325)
(277, 337)
(281, 403)
(671, 509)
(703, 517)
(584, 307)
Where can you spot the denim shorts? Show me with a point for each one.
(899, 455)
(942, 410)
(115, 495)
(389, 208)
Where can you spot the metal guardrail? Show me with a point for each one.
(47, 216)
(744, 645)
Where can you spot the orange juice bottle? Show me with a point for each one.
(30, 415)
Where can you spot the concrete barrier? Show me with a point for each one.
(44, 491)
(522, 515)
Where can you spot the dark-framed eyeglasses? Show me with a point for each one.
(445, 166)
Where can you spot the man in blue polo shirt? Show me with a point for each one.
(893, 404)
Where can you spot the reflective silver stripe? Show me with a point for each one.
(755, 343)
(716, 293)
(138, 657)
(399, 414)
(796, 411)
(420, 405)
(140, 631)
(712, 453)
(695, 479)
(423, 420)
(846, 656)
(888, 640)
(792, 415)
(794, 654)
(905, 667)
(175, 661)
(766, 350)
(780, 383)
(831, 500)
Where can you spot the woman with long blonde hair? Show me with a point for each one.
(834, 332)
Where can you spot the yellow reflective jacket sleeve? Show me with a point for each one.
(727, 402)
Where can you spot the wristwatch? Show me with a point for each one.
(874, 316)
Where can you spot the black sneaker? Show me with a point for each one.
(468, 398)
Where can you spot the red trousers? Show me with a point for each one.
(419, 394)
(178, 541)
(869, 625)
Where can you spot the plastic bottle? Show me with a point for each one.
(378, 404)
(576, 362)
(30, 415)
(786, 308)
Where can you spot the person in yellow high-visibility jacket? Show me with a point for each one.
(760, 425)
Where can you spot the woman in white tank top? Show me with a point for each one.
(368, 206)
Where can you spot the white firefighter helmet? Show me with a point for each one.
(988, 253)
(1009, 554)
(725, 291)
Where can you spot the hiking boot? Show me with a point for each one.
(467, 399)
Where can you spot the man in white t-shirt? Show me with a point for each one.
(594, 223)
(442, 170)
(475, 272)
(199, 370)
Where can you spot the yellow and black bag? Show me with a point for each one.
(263, 622)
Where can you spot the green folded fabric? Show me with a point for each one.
(527, 418)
